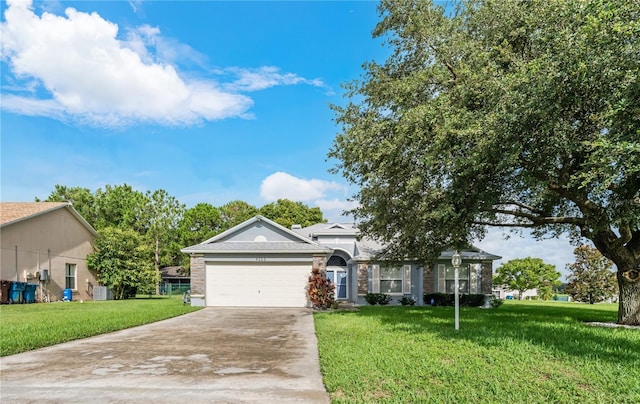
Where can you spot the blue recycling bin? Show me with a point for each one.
(16, 291)
(30, 292)
(67, 295)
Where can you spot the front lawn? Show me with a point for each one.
(533, 352)
(24, 327)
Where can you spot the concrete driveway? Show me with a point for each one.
(213, 355)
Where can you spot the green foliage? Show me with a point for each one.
(236, 212)
(321, 290)
(523, 274)
(287, 213)
(161, 217)
(448, 299)
(81, 198)
(500, 113)
(496, 302)
(120, 206)
(377, 298)
(591, 279)
(408, 301)
(199, 224)
(123, 262)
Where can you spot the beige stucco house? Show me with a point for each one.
(46, 243)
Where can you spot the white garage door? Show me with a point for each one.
(259, 285)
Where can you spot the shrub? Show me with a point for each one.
(439, 299)
(495, 302)
(377, 298)
(321, 290)
(407, 301)
(448, 299)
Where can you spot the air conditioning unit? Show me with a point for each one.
(102, 293)
(44, 275)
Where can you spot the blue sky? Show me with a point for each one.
(210, 101)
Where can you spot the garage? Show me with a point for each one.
(264, 285)
(257, 263)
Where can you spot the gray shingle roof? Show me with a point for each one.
(248, 247)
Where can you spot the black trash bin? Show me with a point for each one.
(4, 291)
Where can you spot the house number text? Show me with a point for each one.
(261, 259)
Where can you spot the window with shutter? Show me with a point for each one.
(407, 280)
(441, 279)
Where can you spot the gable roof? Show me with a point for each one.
(329, 229)
(289, 242)
(14, 212)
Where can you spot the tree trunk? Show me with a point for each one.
(629, 303)
(156, 263)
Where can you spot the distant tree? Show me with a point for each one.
(161, 217)
(236, 212)
(81, 198)
(591, 279)
(120, 206)
(523, 274)
(199, 223)
(287, 213)
(123, 262)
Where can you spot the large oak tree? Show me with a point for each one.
(523, 114)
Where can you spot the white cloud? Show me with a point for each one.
(266, 77)
(281, 185)
(92, 77)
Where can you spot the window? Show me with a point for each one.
(463, 279)
(390, 280)
(70, 276)
(468, 278)
(336, 261)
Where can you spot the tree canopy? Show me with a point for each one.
(518, 114)
(164, 224)
(523, 274)
(123, 262)
(591, 279)
(287, 213)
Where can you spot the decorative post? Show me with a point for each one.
(456, 260)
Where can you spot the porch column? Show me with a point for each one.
(198, 280)
(363, 278)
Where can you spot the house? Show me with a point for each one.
(46, 243)
(174, 278)
(260, 263)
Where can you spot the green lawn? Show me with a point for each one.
(24, 327)
(524, 352)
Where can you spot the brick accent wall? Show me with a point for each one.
(197, 274)
(363, 278)
(487, 278)
(428, 279)
(320, 262)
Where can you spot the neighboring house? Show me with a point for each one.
(260, 263)
(503, 293)
(174, 277)
(47, 243)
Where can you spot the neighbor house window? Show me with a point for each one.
(468, 278)
(390, 280)
(463, 279)
(70, 276)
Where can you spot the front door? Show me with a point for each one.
(339, 278)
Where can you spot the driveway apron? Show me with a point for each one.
(219, 355)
